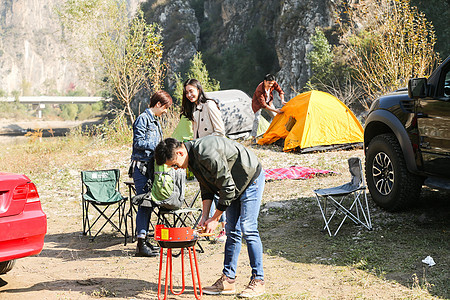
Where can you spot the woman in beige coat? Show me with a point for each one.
(203, 112)
(206, 120)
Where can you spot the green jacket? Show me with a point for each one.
(222, 166)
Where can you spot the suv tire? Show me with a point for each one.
(6, 266)
(390, 183)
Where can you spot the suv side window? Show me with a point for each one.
(447, 85)
(442, 86)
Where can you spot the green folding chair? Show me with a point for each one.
(100, 191)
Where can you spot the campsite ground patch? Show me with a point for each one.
(301, 261)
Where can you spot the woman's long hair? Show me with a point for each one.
(188, 107)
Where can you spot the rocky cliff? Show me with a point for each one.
(33, 60)
(269, 35)
(220, 28)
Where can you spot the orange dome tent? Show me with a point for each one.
(314, 121)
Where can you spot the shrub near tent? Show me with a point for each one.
(315, 121)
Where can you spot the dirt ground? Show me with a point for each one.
(72, 267)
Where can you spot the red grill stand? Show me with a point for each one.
(182, 238)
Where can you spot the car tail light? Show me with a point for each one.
(27, 192)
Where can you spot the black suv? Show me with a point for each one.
(407, 140)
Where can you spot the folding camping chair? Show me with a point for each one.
(348, 200)
(100, 190)
(186, 216)
(132, 212)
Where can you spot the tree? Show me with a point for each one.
(197, 70)
(321, 58)
(124, 53)
(396, 44)
(330, 71)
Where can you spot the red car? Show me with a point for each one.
(23, 224)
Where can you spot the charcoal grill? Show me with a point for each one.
(181, 238)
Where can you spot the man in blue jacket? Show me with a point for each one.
(228, 169)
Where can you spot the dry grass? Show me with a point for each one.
(381, 264)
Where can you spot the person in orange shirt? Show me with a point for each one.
(263, 99)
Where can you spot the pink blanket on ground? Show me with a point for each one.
(293, 173)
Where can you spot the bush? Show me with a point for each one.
(330, 71)
(50, 112)
(321, 58)
(117, 131)
(77, 93)
(81, 111)
(396, 44)
(85, 112)
(14, 110)
(98, 107)
(69, 111)
(197, 70)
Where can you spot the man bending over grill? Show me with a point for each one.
(228, 169)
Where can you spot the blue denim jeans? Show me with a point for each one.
(256, 120)
(144, 212)
(223, 217)
(242, 221)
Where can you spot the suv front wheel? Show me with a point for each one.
(390, 183)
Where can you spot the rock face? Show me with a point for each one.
(181, 31)
(216, 25)
(301, 17)
(30, 51)
(32, 58)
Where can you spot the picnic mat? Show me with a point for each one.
(293, 172)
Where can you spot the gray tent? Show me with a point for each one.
(237, 113)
